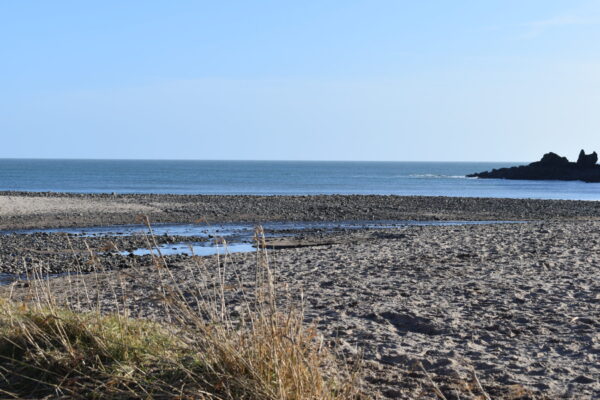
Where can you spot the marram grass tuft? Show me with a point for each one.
(204, 352)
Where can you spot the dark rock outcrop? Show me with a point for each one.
(587, 160)
(552, 160)
(550, 167)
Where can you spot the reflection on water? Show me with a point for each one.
(197, 249)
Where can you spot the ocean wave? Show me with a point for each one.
(435, 176)
(416, 176)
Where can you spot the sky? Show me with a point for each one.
(497, 80)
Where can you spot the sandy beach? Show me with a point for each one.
(300, 200)
(516, 304)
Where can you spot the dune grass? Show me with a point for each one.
(206, 351)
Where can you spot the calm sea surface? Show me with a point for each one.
(278, 177)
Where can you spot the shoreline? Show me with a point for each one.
(31, 210)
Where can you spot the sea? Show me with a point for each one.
(279, 178)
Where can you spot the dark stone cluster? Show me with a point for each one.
(550, 167)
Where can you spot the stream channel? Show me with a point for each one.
(206, 240)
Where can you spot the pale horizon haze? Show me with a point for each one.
(268, 80)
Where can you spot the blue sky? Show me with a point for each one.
(311, 80)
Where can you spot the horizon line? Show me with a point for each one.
(252, 160)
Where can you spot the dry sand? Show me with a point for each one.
(13, 206)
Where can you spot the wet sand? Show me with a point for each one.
(519, 304)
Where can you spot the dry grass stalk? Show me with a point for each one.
(204, 352)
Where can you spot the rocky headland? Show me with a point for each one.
(550, 167)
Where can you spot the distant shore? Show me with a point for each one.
(26, 210)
